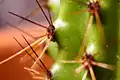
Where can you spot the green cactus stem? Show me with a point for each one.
(69, 35)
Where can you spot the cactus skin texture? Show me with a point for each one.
(70, 30)
(118, 59)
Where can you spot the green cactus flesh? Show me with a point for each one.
(71, 27)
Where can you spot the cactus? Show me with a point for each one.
(85, 41)
(118, 60)
(70, 35)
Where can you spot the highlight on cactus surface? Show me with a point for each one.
(94, 10)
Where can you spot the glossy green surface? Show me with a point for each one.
(70, 30)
